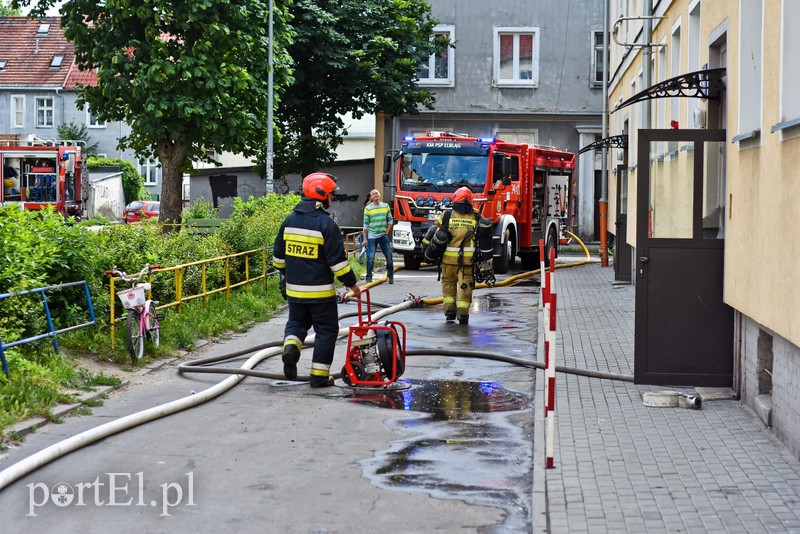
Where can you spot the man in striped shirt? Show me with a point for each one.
(377, 229)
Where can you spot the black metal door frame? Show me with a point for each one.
(683, 331)
(622, 249)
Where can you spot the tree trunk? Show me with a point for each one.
(172, 156)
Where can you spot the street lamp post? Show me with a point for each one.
(270, 119)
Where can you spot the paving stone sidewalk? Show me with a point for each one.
(623, 467)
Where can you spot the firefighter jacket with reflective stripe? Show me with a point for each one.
(309, 251)
(462, 229)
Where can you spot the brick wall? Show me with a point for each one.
(762, 349)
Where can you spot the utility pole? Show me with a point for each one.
(270, 187)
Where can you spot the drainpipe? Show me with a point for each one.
(603, 202)
(647, 51)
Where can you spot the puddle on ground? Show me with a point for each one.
(471, 446)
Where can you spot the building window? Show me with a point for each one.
(750, 66)
(693, 59)
(597, 58)
(92, 122)
(150, 169)
(44, 112)
(17, 111)
(790, 74)
(440, 68)
(57, 61)
(516, 57)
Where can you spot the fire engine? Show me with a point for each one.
(40, 172)
(524, 189)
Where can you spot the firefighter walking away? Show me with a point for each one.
(451, 242)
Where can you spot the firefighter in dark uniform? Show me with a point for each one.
(456, 262)
(309, 252)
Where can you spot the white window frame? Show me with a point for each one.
(515, 80)
(751, 49)
(450, 79)
(150, 169)
(790, 75)
(18, 111)
(47, 110)
(597, 56)
(693, 56)
(91, 122)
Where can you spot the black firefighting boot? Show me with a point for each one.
(463, 319)
(291, 355)
(320, 381)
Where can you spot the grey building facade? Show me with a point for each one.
(519, 70)
(39, 83)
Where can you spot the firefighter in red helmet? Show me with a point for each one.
(309, 252)
(457, 257)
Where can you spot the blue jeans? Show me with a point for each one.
(386, 248)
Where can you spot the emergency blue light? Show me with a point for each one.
(408, 138)
(487, 139)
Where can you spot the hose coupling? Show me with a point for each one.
(418, 301)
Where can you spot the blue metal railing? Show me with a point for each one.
(51, 332)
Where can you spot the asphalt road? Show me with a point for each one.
(451, 453)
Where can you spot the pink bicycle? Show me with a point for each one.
(142, 319)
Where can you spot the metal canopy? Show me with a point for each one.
(615, 141)
(698, 84)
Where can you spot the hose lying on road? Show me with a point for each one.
(36, 460)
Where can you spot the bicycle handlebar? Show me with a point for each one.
(132, 277)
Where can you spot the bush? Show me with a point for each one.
(199, 209)
(40, 250)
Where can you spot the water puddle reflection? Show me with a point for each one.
(474, 445)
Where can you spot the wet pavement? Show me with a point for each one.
(451, 453)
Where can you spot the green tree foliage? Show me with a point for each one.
(6, 10)
(349, 56)
(186, 76)
(78, 132)
(132, 182)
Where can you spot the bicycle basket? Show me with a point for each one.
(134, 296)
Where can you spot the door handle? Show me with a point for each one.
(643, 259)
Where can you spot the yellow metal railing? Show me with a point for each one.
(205, 291)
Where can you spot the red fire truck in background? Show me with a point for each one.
(525, 190)
(40, 172)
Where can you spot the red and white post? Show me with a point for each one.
(548, 298)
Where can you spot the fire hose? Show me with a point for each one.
(263, 352)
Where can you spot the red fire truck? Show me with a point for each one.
(40, 172)
(525, 190)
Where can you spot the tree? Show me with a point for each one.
(7, 10)
(78, 132)
(356, 56)
(187, 76)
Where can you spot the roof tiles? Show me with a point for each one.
(28, 54)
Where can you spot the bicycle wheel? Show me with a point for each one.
(152, 326)
(135, 336)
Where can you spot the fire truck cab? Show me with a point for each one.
(525, 190)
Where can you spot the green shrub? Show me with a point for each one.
(200, 209)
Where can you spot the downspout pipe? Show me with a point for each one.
(603, 202)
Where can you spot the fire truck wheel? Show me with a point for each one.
(552, 244)
(501, 262)
(411, 262)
